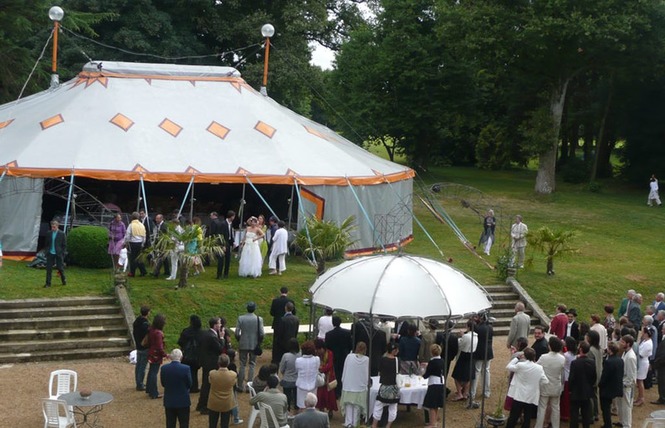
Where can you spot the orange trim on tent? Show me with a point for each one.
(317, 200)
(14, 170)
(98, 74)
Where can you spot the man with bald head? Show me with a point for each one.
(519, 325)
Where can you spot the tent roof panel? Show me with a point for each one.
(141, 97)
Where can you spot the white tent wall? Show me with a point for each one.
(20, 213)
(388, 207)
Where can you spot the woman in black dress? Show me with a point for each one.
(434, 375)
(464, 372)
(388, 391)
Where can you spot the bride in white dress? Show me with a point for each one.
(251, 260)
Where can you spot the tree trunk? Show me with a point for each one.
(184, 273)
(545, 180)
(601, 131)
(575, 140)
(550, 265)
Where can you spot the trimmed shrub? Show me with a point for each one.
(87, 247)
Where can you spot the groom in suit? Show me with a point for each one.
(56, 244)
(227, 233)
(176, 379)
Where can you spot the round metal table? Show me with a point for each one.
(87, 409)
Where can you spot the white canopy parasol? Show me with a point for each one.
(400, 286)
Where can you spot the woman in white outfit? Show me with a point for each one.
(251, 260)
(653, 192)
(354, 386)
(175, 254)
(645, 348)
(307, 367)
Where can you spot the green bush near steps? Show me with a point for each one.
(87, 247)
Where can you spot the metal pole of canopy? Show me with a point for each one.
(191, 183)
(69, 200)
(362, 208)
(241, 209)
(288, 217)
(191, 203)
(260, 196)
(304, 216)
(144, 197)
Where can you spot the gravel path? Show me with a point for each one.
(25, 384)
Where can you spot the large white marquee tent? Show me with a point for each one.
(201, 124)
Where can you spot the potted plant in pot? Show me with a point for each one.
(497, 418)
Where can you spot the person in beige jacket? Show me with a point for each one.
(221, 399)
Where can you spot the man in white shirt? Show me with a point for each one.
(525, 386)
(625, 403)
(280, 246)
(518, 232)
(550, 393)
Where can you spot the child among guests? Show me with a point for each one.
(232, 366)
(122, 259)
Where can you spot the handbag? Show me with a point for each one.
(332, 385)
(320, 380)
(258, 351)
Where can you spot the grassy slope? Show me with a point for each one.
(619, 242)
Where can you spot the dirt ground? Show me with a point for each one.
(25, 384)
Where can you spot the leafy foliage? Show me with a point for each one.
(87, 247)
(177, 241)
(326, 239)
(554, 243)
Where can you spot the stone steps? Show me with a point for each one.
(503, 308)
(62, 329)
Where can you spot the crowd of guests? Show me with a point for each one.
(582, 371)
(255, 244)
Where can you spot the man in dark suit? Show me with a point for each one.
(176, 379)
(210, 346)
(56, 244)
(540, 344)
(581, 385)
(287, 328)
(360, 333)
(572, 328)
(635, 312)
(482, 357)
(659, 365)
(338, 340)
(227, 233)
(277, 311)
(611, 382)
(216, 226)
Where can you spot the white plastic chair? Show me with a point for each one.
(57, 414)
(254, 410)
(65, 381)
(266, 411)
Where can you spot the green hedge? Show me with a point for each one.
(87, 247)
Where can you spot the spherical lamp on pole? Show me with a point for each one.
(267, 31)
(55, 14)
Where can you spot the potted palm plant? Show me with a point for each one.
(325, 240)
(497, 418)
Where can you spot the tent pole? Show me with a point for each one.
(144, 197)
(69, 201)
(191, 182)
(191, 203)
(138, 196)
(302, 210)
(241, 210)
(362, 208)
(260, 196)
(290, 206)
(445, 366)
(3, 175)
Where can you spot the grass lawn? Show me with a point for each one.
(619, 242)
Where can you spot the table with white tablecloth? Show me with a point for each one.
(412, 394)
